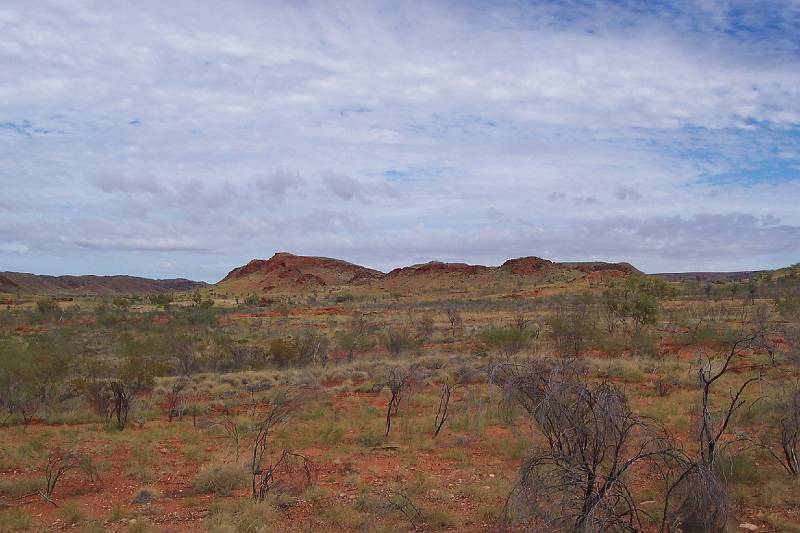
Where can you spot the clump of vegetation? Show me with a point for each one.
(146, 495)
(72, 514)
(221, 479)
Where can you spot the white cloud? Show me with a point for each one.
(13, 247)
(170, 129)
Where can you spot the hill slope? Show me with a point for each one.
(19, 282)
(285, 274)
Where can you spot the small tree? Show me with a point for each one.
(179, 347)
(48, 308)
(134, 376)
(312, 347)
(23, 380)
(99, 396)
(283, 352)
(508, 341)
(636, 300)
(397, 340)
(356, 337)
(162, 300)
(572, 327)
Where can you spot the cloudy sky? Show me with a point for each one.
(180, 138)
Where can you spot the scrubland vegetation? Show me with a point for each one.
(624, 403)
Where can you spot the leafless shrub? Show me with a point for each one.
(176, 398)
(456, 322)
(713, 428)
(703, 500)
(281, 405)
(398, 380)
(787, 456)
(664, 384)
(790, 434)
(290, 467)
(462, 375)
(448, 387)
(227, 422)
(581, 479)
(100, 398)
(520, 320)
(693, 479)
(60, 462)
(402, 503)
(312, 347)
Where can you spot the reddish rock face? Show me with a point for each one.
(284, 269)
(598, 266)
(525, 265)
(253, 266)
(7, 283)
(438, 267)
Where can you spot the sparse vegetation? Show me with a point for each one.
(624, 403)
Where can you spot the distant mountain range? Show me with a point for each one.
(286, 273)
(710, 277)
(17, 282)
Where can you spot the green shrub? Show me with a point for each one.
(95, 526)
(221, 480)
(645, 344)
(243, 516)
(508, 341)
(440, 519)
(738, 469)
(419, 484)
(117, 513)
(72, 514)
(283, 352)
(332, 434)
(341, 516)
(509, 447)
(628, 371)
(370, 438)
(16, 488)
(15, 520)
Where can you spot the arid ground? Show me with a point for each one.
(302, 394)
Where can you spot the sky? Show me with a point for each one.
(182, 139)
